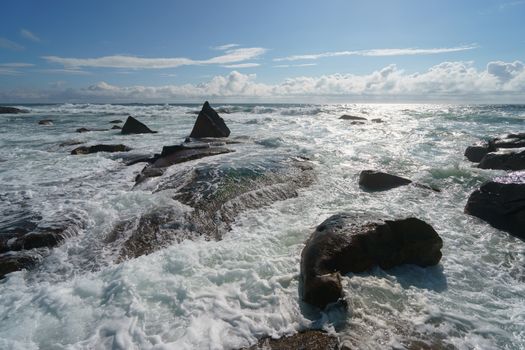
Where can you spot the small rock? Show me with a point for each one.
(116, 127)
(80, 130)
(116, 121)
(351, 117)
(133, 126)
(45, 122)
(100, 148)
(209, 124)
(377, 120)
(379, 181)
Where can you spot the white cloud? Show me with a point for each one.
(64, 71)
(10, 45)
(16, 65)
(378, 52)
(225, 47)
(133, 62)
(242, 65)
(447, 81)
(29, 35)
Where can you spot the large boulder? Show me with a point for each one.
(506, 159)
(100, 148)
(344, 244)
(11, 110)
(477, 152)
(133, 126)
(501, 203)
(209, 124)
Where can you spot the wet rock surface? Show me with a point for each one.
(307, 340)
(372, 180)
(345, 243)
(100, 148)
(504, 160)
(133, 126)
(501, 203)
(504, 153)
(215, 196)
(209, 124)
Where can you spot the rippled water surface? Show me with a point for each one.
(201, 294)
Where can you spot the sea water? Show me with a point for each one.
(201, 294)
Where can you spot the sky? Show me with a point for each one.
(269, 51)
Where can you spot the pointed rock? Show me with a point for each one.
(133, 126)
(209, 124)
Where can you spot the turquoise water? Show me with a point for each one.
(221, 295)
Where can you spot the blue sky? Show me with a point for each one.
(62, 51)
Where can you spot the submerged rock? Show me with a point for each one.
(71, 143)
(209, 124)
(116, 121)
(11, 110)
(504, 160)
(501, 203)
(351, 117)
(307, 340)
(116, 127)
(133, 126)
(100, 148)
(81, 130)
(342, 244)
(45, 122)
(215, 195)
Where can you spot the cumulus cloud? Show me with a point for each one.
(132, 62)
(29, 35)
(378, 52)
(447, 81)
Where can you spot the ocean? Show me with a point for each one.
(203, 293)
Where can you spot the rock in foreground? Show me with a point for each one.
(100, 148)
(501, 203)
(133, 126)
(341, 245)
(209, 124)
(308, 340)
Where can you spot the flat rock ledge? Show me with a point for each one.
(343, 243)
(501, 203)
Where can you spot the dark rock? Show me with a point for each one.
(357, 123)
(45, 122)
(378, 181)
(80, 130)
(133, 126)
(351, 117)
(11, 110)
(209, 124)
(341, 245)
(116, 127)
(178, 154)
(307, 340)
(12, 262)
(116, 121)
(377, 120)
(476, 153)
(100, 148)
(501, 203)
(504, 160)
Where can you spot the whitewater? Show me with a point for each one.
(227, 294)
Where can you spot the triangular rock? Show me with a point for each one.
(209, 124)
(133, 126)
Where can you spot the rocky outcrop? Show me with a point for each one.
(209, 124)
(100, 148)
(307, 340)
(501, 203)
(504, 153)
(11, 110)
(178, 154)
(216, 196)
(45, 122)
(133, 126)
(343, 243)
(372, 180)
(352, 117)
(504, 160)
(81, 130)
